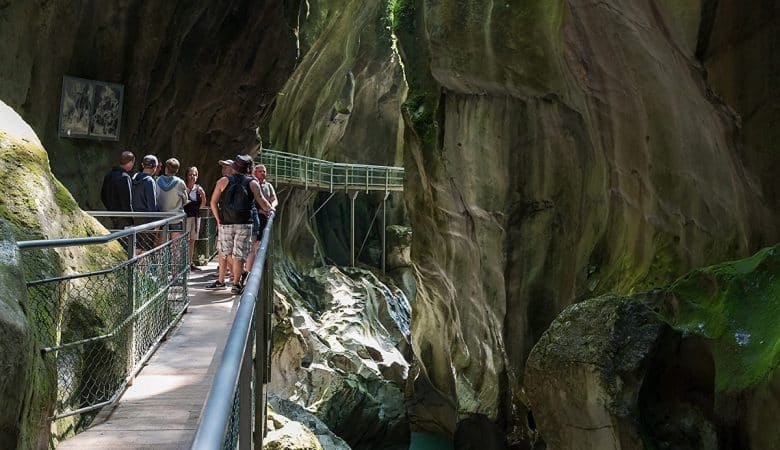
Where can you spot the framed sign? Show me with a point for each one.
(90, 109)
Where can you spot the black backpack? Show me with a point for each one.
(235, 203)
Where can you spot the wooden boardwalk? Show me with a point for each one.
(161, 409)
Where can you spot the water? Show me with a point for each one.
(430, 441)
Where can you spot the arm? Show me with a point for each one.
(273, 199)
(127, 194)
(218, 188)
(202, 197)
(265, 204)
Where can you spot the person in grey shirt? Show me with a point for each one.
(172, 193)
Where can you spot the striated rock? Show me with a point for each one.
(558, 150)
(339, 351)
(18, 359)
(342, 103)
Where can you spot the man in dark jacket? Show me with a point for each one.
(116, 192)
(145, 200)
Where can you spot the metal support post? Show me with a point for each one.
(353, 195)
(384, 228)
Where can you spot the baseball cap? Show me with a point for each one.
(225, 162)
(242, 163)
(149, 161)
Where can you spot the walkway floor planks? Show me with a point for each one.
(160, 410)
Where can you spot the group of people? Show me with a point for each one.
(148, 191)
(241, 201)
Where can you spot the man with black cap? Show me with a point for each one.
(115, 193)
(145, 199)
(231, 204)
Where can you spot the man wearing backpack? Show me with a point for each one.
(231, 204)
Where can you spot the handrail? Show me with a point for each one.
(316, 173)
(69, 242)
(236, 357)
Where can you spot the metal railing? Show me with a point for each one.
(98, 328)
(235, 412)
(205, 243)
(288, 168)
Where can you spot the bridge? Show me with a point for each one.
(317, 174)
(161, 344)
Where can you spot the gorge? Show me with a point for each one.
(578, 174)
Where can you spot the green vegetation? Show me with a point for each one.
(398, 11)
(735, 304)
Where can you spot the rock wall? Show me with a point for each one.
(689, 366)
(341, 104)
(199, 77)
(37, 206)
(561, 149)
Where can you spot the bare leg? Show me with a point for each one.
(222, 268)
(238, 269)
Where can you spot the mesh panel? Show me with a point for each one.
(97, 327)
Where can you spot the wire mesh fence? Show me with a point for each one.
(97, 328)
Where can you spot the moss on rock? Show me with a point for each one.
(734, 304)
(37, 206)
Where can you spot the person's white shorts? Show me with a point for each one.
(193, 227)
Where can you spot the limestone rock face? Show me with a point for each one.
(557, 150)
(200, 77)
(340, 350)
(36, 206)
(691, 366)
(342, 104)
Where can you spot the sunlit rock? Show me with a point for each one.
(295, 412)
(287, 434)
(339, 351)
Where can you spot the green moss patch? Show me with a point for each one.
(736, 305)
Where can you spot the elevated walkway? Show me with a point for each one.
(317, 174)
(161, 409)
(313, 173)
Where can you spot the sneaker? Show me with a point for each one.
(237, 288)
(215, 285)
(243, 278)
(194, 268)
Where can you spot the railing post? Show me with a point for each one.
(132, 302)
(384, 229)
(353, 195)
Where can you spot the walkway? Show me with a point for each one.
(312, 173)
(161, 409)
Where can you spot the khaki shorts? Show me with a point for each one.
(193, 227)
(235, 240)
